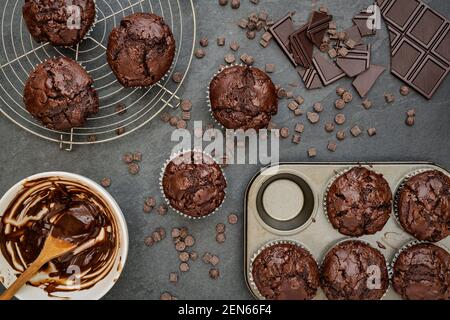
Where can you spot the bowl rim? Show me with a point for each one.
(117, 212)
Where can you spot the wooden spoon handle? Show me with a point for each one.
(22, 279)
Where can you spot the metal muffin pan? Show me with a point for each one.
(285, 202)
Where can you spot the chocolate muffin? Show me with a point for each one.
(57, 21)
(194, 184)
(422, 272)
(243, 98)
(141, 50)
(423, 206)
(59, 93)
(359, 202)
(353, 270)
(285, 271)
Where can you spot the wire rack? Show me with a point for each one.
(19, 55)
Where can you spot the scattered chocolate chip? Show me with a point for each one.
(214, 260)
(106, 182)
(243, 23)
(120, 131)
(184, 267)
(299, 100)
(340, 91)
(199, 53)
(411, 113)
(173, 121)
(156, 236)
(220, 41)
(186, 105)
(296, 138)
(165, 117)
(150, 201)
(220, 238)
(267, 36)
(189, 241)
(230, 58)
(367, 104)
(133, 168)
(149, 241)
(184, 232)
(292, 105)
(404, 90)
(235, 4)
(173, 277)
(234, 45)
(340, 135)
(343, 52)
(312, 152)
(147, 208)
(181, 124)
(339, 104)
(120, 109)
(204, 42)
(318, 107)
(250, 35)
(389, 97)
(281, 93)
(137, 156)
(284, 132)
(180, 246)
(356, 131)
(410, 121)
(263, 43)
(162, 209)
(371, 132)
(339, 119)
(247, 59)
(270, 68)
(232, 218)
(347, 97)
(332, 53)
(329, 127)
(175, 233)
(184, 256)
(313, 117)
(165, 296)
(220, 228)
(177, 77)
(193, 255)
(207, 257)
(214, 274)
(223, 2)
(299, 128)
(332, 146)
(162, 232)
(186, 115)
(298, 112)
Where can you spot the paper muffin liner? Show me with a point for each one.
(338, 174)
(399, 190)
(163, 170)
(90, 30)
(261, 249)
(354, 239)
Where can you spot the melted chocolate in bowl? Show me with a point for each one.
(70, 211)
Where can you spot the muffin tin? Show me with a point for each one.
(298, 189)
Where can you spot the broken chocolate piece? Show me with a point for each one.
(356, 61)
(310, 78)
(365, 81)
(328, 71)
(363, 21)
(301, 47)
(318, 26)
(281, 31)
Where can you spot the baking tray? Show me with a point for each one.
(316, 233)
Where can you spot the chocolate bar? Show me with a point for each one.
(356, 61)
(302, 48)
(420, 44)
(318, 26)
(281, 31)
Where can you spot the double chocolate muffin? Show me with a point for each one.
(353, 270)
(59, 93)
(243, 98)
(60, 22)
(359, 202)
(285, 271)
(141, 50)
(423, 206)
(422, 272)
(194, 184)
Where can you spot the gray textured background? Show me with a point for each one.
(146, 273)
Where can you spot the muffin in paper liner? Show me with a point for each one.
(406, 246)
(208, 96)
(399, 189)
(338, 174)
(163, 169)
(266, 246)
(353, 239)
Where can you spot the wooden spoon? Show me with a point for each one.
(53, 248)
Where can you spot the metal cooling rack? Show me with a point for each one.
(19, 55)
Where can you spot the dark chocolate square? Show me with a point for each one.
(404, 58)
(442, 46)
(429, 76)
(426, 28)
(400, 12)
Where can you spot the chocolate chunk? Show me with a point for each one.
(106, 182)
(193, 255)
(147, 208)
(332, 53)
(339, 119)
(389, 97)
(313, 117)
(365, 81)
(404, 90)
(150, 201)
(339, 104)
(199, 53)
(220, 238)
(301, 47)
(410, 121)
(189, 241)
(353, 34)
(347, 97)
(214, 274)
(120, 131)
(312, 152)
(148, 241)
(165, 117)
(298, 112)
(175, 233)
(235, 4)
(173, 277)
(318, 107)
(371, 132)
(281, 31)
(420, 44)
(331, 146)
(342, 52)
(166, 296)
(247, 59)
(284, 132)
(232, 218)
(181, 124)
(184, 232)
(183, 256)
(299, 100)
(250, 35)
(121, 109)
(234, 45)
(220, 41)
(223, 2)
(329, 127)
(299, 128)
(230, 58)
(328, 71)
(367, 104)
(220, 228)
(411, 113)
(356, 61)
(214, 260)
(340, 135)
(186, 105)
(156, 236)
(324, 47)
(177, 77)
(365, 22)
(180, 246)
(310, 78)
(296, 138)
(317, 27)
(340, 91)
(267, 36)
(137, 156)
(91, 138)
(184, 267)
(162, 209)
(133, 168)
(292, 105)
(270, 68)
(356, 131)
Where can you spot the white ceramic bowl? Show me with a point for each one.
(7, 274)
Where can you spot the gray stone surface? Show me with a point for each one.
(146, 274)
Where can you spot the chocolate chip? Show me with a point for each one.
(133, 168)
(270, 68)
(340, 91)
(162, 209)
(404, 90)
(410, 121)
(173, 121)
(332, 53)
(183, 256)
(356, 131)
(313, 117)
(181, 124)
(342, 35)
(106, 182)
(296, 138)
(137, 156)
(207, 257)
(312, 152)
(177, 77)
(263, 43)
(214, 260)
(371, 132)
(175, 233)
(204, 42)
(156, 236)
(235, 4)
(367, 104)
(339, 119)
(340, 135)
(186, 115)
(189, 241)
(199, 53)
(91, 138)
(267, 36)
(343, 52)
(193, 255)
(165, 117)
(220, 228)
(184, 232)
(220, 238)
(147, 208)
(150, 201)
(332, 146)
(243, 23)
(318, 107)
(165, 296)
(411, 113)
(120, 131)
(298, 112)
(292, 105)
(230, 58)
(120, 109)
(184, 267)
(220, 41)
(223, 2)
(299, 128)
(299, 100)
(214, 274)
(186, 105)
(148, 241)
(339, 104)
(284, 132)
(234, 45)
(247, 59)
(350, 43)
(347, 97)
(263, 15)
(162, 232)
(180, 246)
(329, 127)
(389, 97)
(173, 277)
(232, 218)
(250, 35)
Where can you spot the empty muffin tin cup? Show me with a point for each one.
(285, 202)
